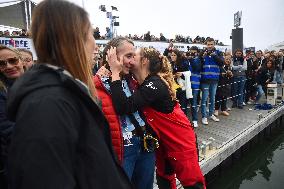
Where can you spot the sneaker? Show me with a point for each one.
(244, 104)
(195, 124)
(234, 105)
(204, 121)
(214, 118)
(249, 102)
(229, 109)
(216, 112)
(240, 107)
(225, 113)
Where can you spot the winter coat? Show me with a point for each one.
(113, 119)
(61, 138)
(225, 82)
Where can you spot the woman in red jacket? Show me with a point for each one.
(177, 153)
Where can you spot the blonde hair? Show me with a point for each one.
(160, 65)
(16, 51)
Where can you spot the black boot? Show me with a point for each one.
(163, 183)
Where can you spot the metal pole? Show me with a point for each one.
(26, 14)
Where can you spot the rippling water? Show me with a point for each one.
(261, 168)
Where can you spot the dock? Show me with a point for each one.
(218, 141)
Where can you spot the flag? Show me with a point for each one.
(109, 15)
(102, 8)
(114, 8)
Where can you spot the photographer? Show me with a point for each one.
(209, 79)
(264, 76)
(196, 62)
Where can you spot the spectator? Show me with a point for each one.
(23, 33)
(162, 37)
(97, 32)
(196, 62)
(259, 58)
(169, 50)
(251, 75)
(147, 36)
(179, 65)
(61, 138)
(7, 33)
(209, 79)
(11, 68)
(264, 76)
(239, 65)
(27, 58)
(109, 33)
(278, 59)
(224, 87)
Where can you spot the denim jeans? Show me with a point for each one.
(260, 92)
(195, 93)
(208, 89)
(238, 88)
(278, 78)
(139, 165)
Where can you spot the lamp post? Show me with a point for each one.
(112, 20)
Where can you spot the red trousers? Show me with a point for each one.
(177, 154)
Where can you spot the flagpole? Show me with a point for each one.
(83, 4)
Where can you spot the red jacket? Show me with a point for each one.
(111, 116)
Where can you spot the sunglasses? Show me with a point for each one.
(11, 61)
(26, 59)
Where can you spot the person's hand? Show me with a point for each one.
(205, 54)
(213, 54)
(103, 72)
(178, 74)
(114, 64)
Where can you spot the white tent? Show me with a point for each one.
(16, 13)
(277, 46)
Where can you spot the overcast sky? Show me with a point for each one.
(262, 20)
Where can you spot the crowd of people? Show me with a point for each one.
(149, 37)
(7, 33)
(81, 118)
(222, 76)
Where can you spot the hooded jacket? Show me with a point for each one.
(61, 138)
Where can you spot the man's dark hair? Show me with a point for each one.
(209, 39)
(194, 48)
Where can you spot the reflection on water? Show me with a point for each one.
(261, 168)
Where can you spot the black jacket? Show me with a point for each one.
(61, 138)
(152, 92)
(225, 81)
(264, 76)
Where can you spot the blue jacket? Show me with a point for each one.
(211, 67)
(195, 68)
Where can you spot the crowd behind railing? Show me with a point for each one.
(240, 76)
(144, 37)
(150, 37)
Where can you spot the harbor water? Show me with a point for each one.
(261, 167)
